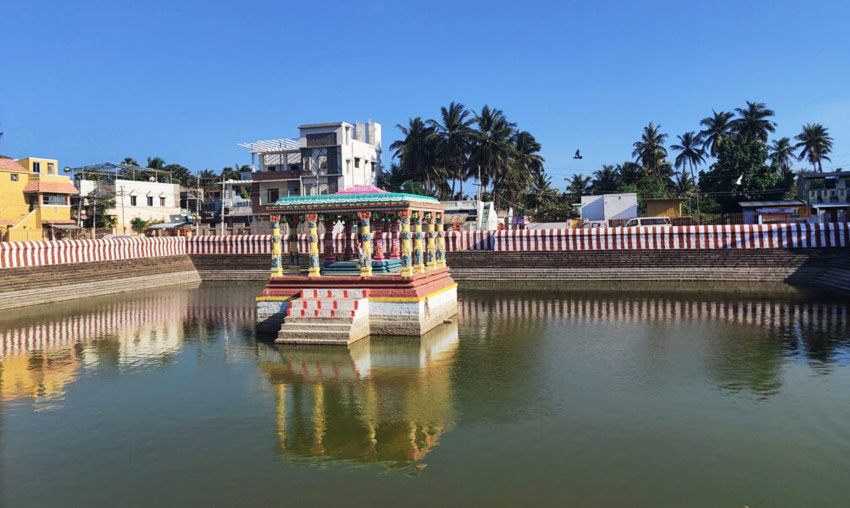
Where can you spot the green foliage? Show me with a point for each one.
(139, 225)
(749, 163)
(463, 145)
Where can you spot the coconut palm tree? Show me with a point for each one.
(690, 151)
(649, 150)
(684, 187)
(753, 122)
(782, 153)
(492, 148)
(417, 151)
(605, 180)
(525, 165)
(815, 143)
(129, 161)
(717, 130)
(628, 173)
(578, 186)
(541, 193)
(454, 134)
(155, 163)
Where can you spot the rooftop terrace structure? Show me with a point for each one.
(397, 283)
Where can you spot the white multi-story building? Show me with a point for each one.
(150, 201)
(327, 158)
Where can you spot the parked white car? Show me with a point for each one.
(591, 224)
(657, 222)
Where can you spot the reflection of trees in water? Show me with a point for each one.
(380, 400)
(750, 340)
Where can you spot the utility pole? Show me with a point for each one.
(94, 214)
(222, 205)
(123, 217)
(197, 208)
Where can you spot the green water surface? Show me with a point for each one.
(166, 398)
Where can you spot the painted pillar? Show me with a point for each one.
(277, 248)
(406, 260)
(313, 267)
(365, 236)
(293, 247)
(441, 241)
(379, 240)
(348, 255)
(431, 236)
(418, 260)
(330, 255)
(394, 253)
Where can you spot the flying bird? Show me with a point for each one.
(577, 155)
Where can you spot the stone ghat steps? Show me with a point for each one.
(326, 316)
(646, 274)
(657, 259)
(837, 277)
(44, 277)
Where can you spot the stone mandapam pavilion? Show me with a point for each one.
(391, 280)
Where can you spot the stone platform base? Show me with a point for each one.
(397, 305)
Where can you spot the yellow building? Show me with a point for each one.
(34, 199)
(664, 207)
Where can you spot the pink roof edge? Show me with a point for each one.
(363, 189)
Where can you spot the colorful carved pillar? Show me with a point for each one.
(365, 236)
(440, 252)
(418, 259)
(293, 246)
(394, 253)
(313, 268)
(430, 236)
(330, 255)
(277, 248)
(406, 260)
(348, 255)
(378, 239)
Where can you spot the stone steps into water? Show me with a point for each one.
(327, 316)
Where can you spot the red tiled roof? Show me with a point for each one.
(50, 187)
(10, 165)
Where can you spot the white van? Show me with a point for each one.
(657, 222)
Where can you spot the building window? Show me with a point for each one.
(150, 200)
(272, 168)
(53, 199)
(36, 167)
(272, 195)
(132, 200)
(356, 162)
(50, 168)
(14, 177)
(161, 201)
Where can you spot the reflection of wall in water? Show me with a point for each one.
(39, 357)
(380, 400)
(635, 309)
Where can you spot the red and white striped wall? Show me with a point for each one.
(60, 252)
(739, 236)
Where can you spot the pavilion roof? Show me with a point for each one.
(346, 202)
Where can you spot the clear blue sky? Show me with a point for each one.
(92, 81)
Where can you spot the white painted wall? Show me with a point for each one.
(124, 190)
(609, 206)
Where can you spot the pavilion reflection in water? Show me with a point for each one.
(379, 400)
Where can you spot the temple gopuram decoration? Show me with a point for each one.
(390, 280)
